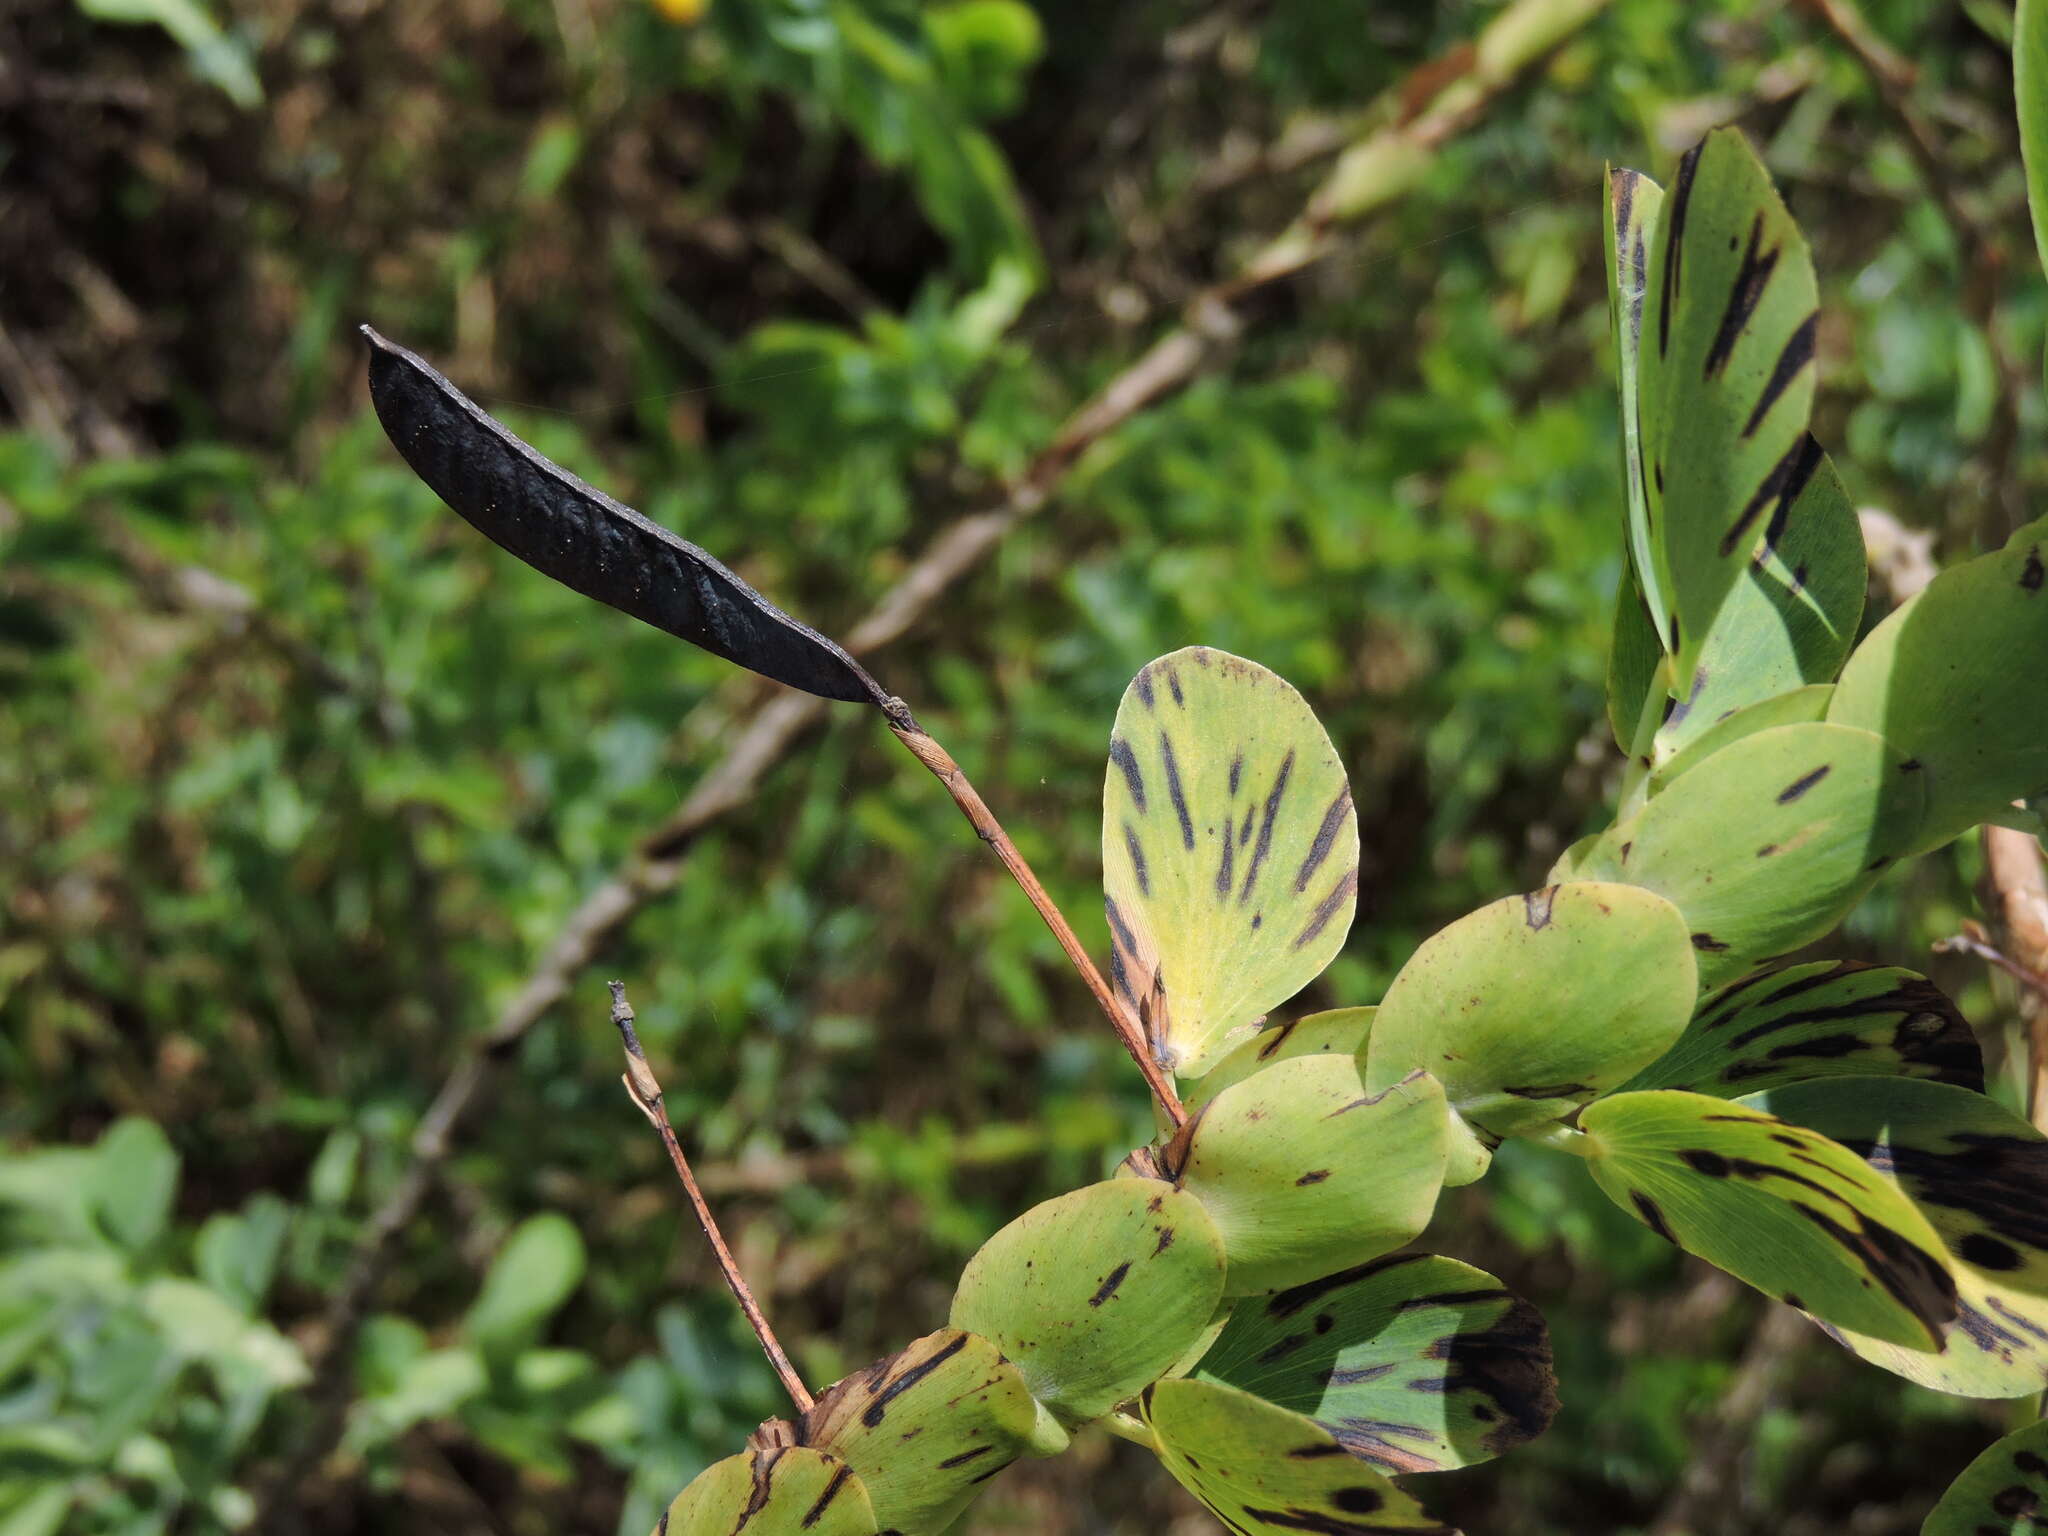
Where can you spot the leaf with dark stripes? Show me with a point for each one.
(1979, 1173)
(1727, 382)
(1414, 1363)
(1534, 1005)
(1786, 622)
(1333, 1032)
(1229, 851)
(1768, 844)
(925, 1427)
(1635, 678)
(782, 1490)
(1957, 679)
(533, 508)
(1825, 1019)
(1096, 1292)
(1777, 1205)
(2004, 1492)
(1801, 706)
(1265, 1469)
(1305, 1173)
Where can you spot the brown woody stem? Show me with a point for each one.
(646, 1092)
(975, 809)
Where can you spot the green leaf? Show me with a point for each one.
(1778, 1206)
(1824, 1019)
(1336, 1031)
(1726, 386)
(1096, 1292)
(1304, 1173)
(1957, 679)
(784, 1490)
(1800, 706)
(1634, 678)
(1262, 1468)
(1979, 1173)
(237, 1254)
(1229, 851)
(2004, 1492)
(2030, 95)
(1635, 658)
(1414, 1363)
(1536, 1004)
(925, 1427)
(1769, 844)
(1786, 622)
(540, 1264)
(133, 1181)
(216, 58)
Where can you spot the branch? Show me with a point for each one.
(1208, 328)
(2019, 885)
(646, 1092)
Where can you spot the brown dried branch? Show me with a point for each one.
(646, 1092)
(1519, 38)
(2019, 886)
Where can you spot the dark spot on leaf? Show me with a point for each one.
(1803, 783)
(1315, 1176)
(1707, 942)
(1108, 1287)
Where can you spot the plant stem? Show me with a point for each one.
(975, 809)
(646, 1092)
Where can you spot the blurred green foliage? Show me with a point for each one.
(298, 778)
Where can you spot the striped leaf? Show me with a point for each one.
(1096, 1292)
(1979, 1173)
(1229, 851)
(1264, 1469)
(780, 1490)
(1304, 1173)
(1769, 845)
(1826, 1019)
(1414, 1363)
(1957, 680)
(1781, 1207)
(1725, 389)
(1335, 1032)
(1786, 622)
(1635, 679)
(1532, 1006)
(925, 1427)
(1801, 706)
(2004, 1492)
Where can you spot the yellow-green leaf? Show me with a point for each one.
(1767, 844)
(1304, 1173)
(925, 1427)
(1957, 680)
(1229, 851)
(1335, 1032)
(1779, 1206)
(1979, 1173)
(781, 1490)
(1536, 1004)
(1095, 1293)
(1414, 1363)
(2004, 1492)
(1264, 1469)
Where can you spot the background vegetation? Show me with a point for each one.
(300, 781)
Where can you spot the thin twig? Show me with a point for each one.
(646, 1092)
(1207, 331)
(947, 772)
(1967, 943)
